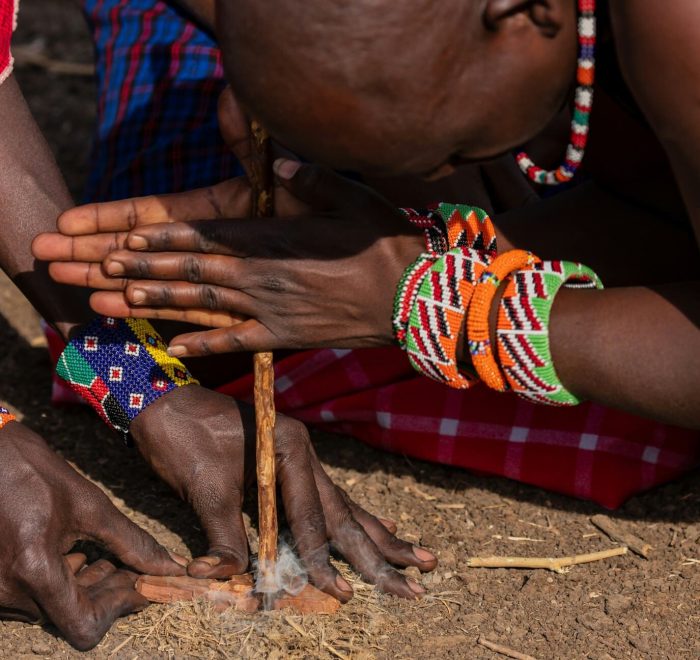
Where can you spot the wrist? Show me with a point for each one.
(170, 405)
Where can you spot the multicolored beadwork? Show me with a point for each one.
(583, 104)
(5, 417)
(450, 226)
(120, 367)
(523, 329)
(406, 293)
(437, 315)
(478, 327)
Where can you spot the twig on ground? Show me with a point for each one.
(634, 543)
(503, 650)
(119, 647)
(556, 564)
(325, 644)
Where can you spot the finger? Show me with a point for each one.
(82, 616)
(303, 508)
(188, 266)
(355, 545)
(56, 247)
(223, 237)
(248, 336)
(185, 295)
(127, 541)
(95, 572)
(75, 561)
(89, 275)
(218, 504)
(235, 128)
(389, 524)
(227, 199)
(222, 520)
(318, 186)
(394, 550)
(112, 303)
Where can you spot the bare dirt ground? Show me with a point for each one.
(624, 607)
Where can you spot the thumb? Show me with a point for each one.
(132, 545)
(235, 128)
(319, 187)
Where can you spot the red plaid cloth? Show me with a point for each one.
(589, 451)
(8, 19)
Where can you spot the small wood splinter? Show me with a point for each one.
(556, 564)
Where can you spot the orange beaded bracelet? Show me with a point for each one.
(478, 334)
(5, 417)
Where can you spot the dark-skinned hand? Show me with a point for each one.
(45, 507)
(324, 274)
(203, 445)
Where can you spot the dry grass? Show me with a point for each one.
(358, 630)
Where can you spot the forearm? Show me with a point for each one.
(32, 195)
(632, 348)
(625, 243)
(635, 345)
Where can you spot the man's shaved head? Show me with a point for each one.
(398, 85)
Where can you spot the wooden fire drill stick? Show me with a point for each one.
(261, 183)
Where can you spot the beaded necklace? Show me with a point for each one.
(585, 76)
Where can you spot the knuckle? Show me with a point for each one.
(93, 504)
(141, 268)
(205, 347)
(206, 239)
(316, 558)
(192, 269)
(209, 297)
(290, 430)
(272, 282)
(163, 295)
(235, 342)
(214, 499)
(83, 632)
(343, 527)
(132, 214)
(163, 240)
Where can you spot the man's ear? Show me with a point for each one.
(546, 15)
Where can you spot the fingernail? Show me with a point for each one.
(415, 587)
(423, 554)
(137, 242)
(137, 296)
(115, 268)
(342, 583)
(177, 351)
(179, 559)
(286, 169)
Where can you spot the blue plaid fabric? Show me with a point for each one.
(159, 78)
